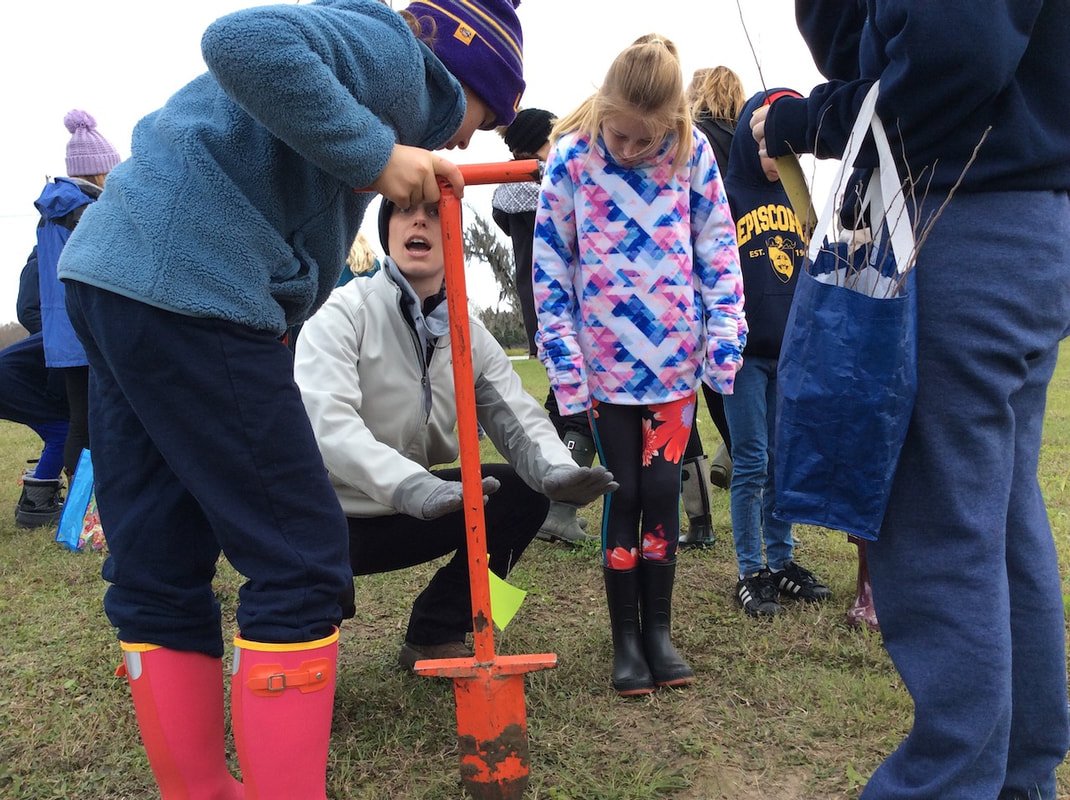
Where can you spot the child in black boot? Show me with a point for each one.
(626, 330)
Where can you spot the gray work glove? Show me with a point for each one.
(577, 486)
(448, 498)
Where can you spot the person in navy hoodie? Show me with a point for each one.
(965, 574)
(772, 248)
(229, 223)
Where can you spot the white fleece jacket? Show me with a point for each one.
(361, 375)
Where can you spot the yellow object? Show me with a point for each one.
(791, 176)
(505, 600)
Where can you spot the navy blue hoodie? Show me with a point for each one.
(771, 243)
(948, 71)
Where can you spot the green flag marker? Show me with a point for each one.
(505, 600)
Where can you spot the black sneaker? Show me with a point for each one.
(799, 583)
(757, 593)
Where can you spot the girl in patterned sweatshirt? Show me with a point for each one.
(639, 295)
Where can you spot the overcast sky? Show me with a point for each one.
(120, 59)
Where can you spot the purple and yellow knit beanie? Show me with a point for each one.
(88, 153)
(482, 45)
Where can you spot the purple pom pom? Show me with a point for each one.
(77, 118)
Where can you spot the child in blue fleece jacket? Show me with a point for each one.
(230, 222)
(965, 575)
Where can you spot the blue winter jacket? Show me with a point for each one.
(237, 202)
(61, 204)
(948, 72)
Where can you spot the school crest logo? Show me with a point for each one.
(780, 250)
(464, 34)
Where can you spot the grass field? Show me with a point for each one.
(801, 707)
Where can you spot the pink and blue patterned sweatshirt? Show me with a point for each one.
(636, 276)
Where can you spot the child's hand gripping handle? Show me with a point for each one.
(411, 177)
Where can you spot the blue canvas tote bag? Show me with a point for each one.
(847, 373)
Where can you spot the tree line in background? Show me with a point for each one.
(481, 242)
(11, 332)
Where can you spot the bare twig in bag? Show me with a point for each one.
(860, 270)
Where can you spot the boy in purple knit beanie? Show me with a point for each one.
(228, 225)
(481, 43)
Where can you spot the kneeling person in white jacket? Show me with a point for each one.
(376, 375)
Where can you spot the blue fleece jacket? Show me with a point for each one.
(948, 71)
(237, 202)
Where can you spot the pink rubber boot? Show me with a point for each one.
(281, 703)
(178, 698)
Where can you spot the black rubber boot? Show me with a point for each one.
(40, 503)
(666, 665)
(561, 523)
(631, 675)
(696, 495)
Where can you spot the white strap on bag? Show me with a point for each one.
(884, 191)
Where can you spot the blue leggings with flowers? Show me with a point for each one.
(642, 446)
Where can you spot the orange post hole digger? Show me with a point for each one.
(492, 732)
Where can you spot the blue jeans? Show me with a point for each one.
(965, 575)
(751, 413)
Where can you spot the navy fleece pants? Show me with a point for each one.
(965, 575)
(201, 444)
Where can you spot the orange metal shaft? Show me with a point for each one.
(467, 433)
(464, 386)
(489, 689)
(502, 172)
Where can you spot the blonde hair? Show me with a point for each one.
(716, 91)
(361, 257)
(643, 80)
